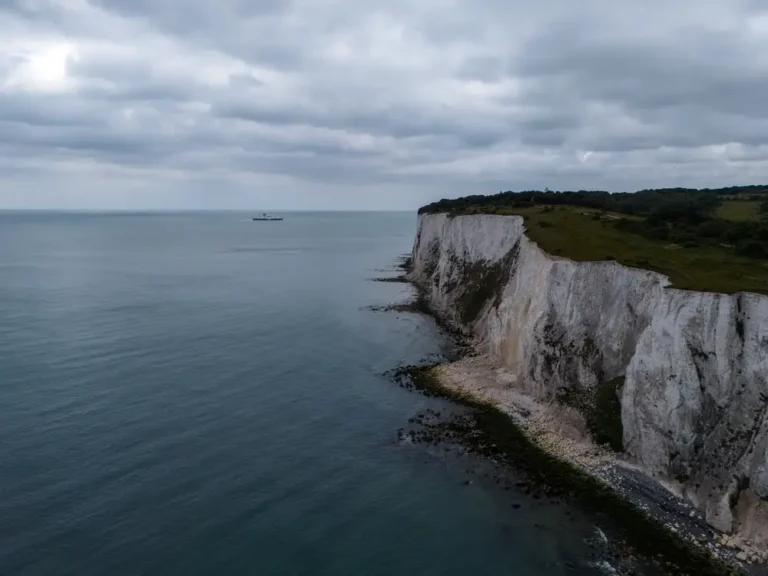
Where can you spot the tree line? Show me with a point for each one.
(683, 216)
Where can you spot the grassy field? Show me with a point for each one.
(739, 211)
(579, 234)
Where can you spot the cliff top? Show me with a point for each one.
(709, 240)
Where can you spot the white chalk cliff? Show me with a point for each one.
(695, 364)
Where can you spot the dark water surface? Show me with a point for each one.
(201, 394)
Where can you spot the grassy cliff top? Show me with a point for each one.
(643, 202)
(714, 241)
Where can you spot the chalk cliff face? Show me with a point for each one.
(694, 364)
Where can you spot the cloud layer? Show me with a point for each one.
(360, 104)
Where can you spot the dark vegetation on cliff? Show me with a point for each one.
(708, 240)
(601, 408)
(484, 282)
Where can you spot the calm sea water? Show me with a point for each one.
(199, 394)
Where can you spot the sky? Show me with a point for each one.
(363, 104)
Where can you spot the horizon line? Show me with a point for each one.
(177, 210)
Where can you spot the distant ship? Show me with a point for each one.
(267, 217)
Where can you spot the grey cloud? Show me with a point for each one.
(188, 16)
(94, 65)
(400, 123)
(129, 82)
(251, 29)
(244, 81)
(685, 90)
(49, 16)
(712, 70)
(545, 128)
(83, 143)
(410, 96)
(41, 111)
(485, 68)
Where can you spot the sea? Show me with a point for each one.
(201, 394)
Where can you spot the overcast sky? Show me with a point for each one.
(374, 104)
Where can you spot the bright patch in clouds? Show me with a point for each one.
(41, 67)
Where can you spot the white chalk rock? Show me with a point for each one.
(695, 364)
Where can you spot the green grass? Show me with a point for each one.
(580, 234)
(739, 210)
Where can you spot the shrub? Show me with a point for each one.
(751, 249)
(714, 228)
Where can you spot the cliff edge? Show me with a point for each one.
(690, 369)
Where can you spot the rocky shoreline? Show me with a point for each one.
(651, 523)
(561, 432)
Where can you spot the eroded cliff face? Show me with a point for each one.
(694, 365)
